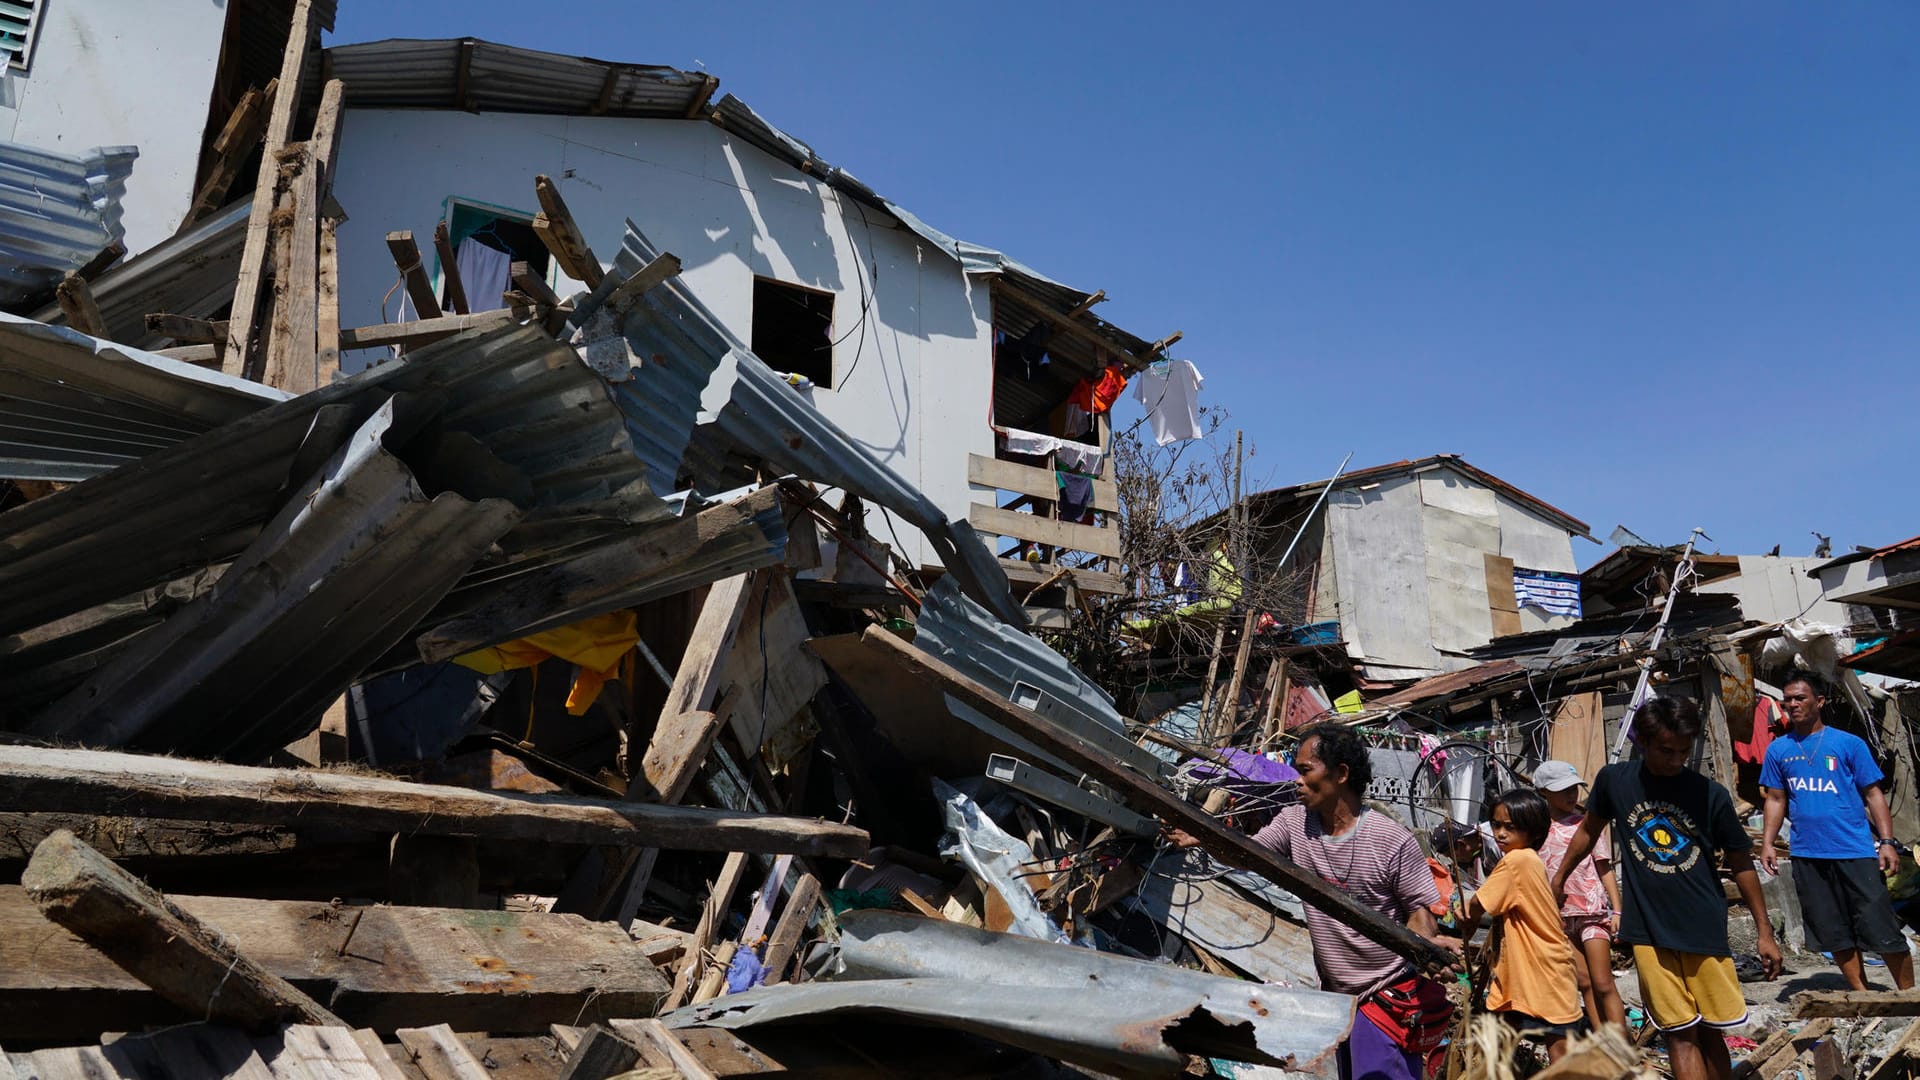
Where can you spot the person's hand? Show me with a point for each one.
(1179, 837)
(1769, 951)
(1889, 859)
(1770, 859)
(1613, 920)
(1560, 890)
(1452, 945)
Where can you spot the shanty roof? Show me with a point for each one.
(1911, 544)
(1276, 498)
(484, 76)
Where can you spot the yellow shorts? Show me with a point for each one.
(1683, 989)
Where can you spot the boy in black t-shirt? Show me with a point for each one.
(1670, 825)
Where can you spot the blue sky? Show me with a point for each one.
(1659, 265)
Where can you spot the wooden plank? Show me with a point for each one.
(204, 355)
(187, 962)
(77, 304)
(242, 132)
(1090, 538)
(719, 898)
(785, 939)
(662, 267)
(385, 967)
(331, 1053)
(406, 259)
(533, 284)
(698, 104)
(293, 327)
(556, 228)
(656, 1034)
(88, 781)
(1086, 305)
(1901, 1056)
(326, 281)
(1223, 842)
(191, 1050)
(325, 143)
(250, 280)
(1013, 476)
(601, 1054)
(1028, 576)
(419, 331)
(187, 331)
(439, 1053)
(687, 721)
(102, 261)
(456, 289)
(1501, 600)
(1854, 1003)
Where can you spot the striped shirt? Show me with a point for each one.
(1379, 864)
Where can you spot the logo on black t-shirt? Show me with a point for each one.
(1660, 835)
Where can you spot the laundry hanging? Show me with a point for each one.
(1170, 392)
(485, 274)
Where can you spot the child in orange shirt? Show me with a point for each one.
(1533, 985)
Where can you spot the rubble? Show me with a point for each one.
(537, 696)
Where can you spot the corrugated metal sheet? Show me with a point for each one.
(693, 367)
(189, 274)
(414, 74)
(521, 414)
(73, 406)
(358, 553)
(1021, 668)
(1129, 1017)
(56, 213)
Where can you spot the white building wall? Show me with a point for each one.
(1535, 543)
(113, 73)
(1379, 562)
(913, 388)
(1775, 588)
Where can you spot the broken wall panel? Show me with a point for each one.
(775, 673)
(358, 555)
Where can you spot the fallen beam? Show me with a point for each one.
(419, 331)
(406, 258)
(1856, 1003)
(187, 962)
(94, 781)
(377, 966)
(1227, 844)
(556, 228)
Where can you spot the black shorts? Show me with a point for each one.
(1845, 905)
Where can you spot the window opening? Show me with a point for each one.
(17, 19)
(501, 238)
(792, 329)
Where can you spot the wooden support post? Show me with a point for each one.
(326, 281)
(242, 132)
(556, 228)
(456, 289)
(137, 785)
(293, 330)
(711, 914)
(440, 1055)
(250, 280)
(1713, 717)
(185, 961)
(1224, 843)
(406, 258)
(77, 304)
(1272, 722)
(785, 939)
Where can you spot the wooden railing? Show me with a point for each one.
(1033, 516)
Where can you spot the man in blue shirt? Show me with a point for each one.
(1826, 781)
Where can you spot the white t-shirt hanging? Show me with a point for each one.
(1171, 395)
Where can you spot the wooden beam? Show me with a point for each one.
(663, 266)
(186, 961)
(1225, 843)
(203, 355)
(94, 781)
(77, 304)
(185, 330)
(250, 280)
(406, 258)
(701, 96)
(1074, 327)
(556, 228)
(1086, 305)
(241, 133)
(463, 76)
(420, 331)
(439, 1054)
(719, 898)
(1028, 480)
(100, 263)
(1090, 538)
(456, 289)
(607, 86)
(325, 143)
(1836, 1003)
(326, 283)
(533, 284)
(785, 939)
(1164, 343)
(1029, 575)
(293, 328)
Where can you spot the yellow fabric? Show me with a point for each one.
(1682, 989)
(1534, 972)
(597, 646)
(1349, 702)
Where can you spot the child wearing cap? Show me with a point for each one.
(1590, 913)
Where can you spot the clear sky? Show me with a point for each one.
(1657, 264)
